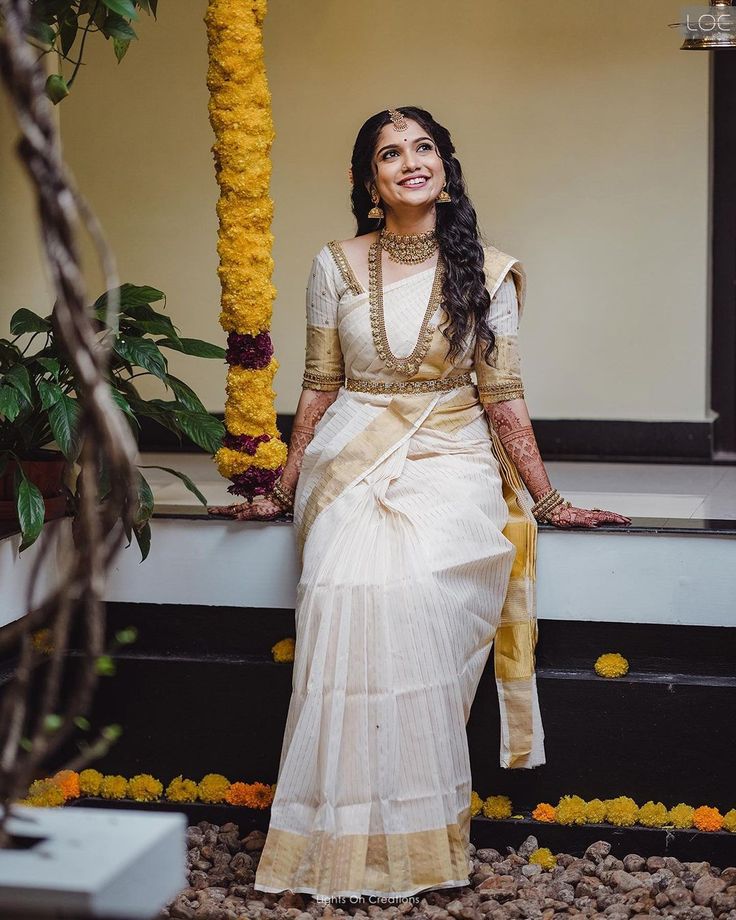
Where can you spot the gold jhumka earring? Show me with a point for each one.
(443, 197)
(375, 211)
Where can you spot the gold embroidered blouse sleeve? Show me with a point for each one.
(500, 378)
(324, 366)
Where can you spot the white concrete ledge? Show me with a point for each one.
(93, 863)
(616, 576)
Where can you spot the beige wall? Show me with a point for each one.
(581, 127)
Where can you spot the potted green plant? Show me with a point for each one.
(38, 406)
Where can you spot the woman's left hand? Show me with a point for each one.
(563, 516)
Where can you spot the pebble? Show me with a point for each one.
(221, 872)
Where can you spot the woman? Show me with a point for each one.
(416, 533)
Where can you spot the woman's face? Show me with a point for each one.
(407, 155)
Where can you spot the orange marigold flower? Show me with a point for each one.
(544, 812)
(706, 818)
(68, 782)
(250, 795)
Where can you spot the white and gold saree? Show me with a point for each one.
(418, 556)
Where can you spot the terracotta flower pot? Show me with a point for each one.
(45, 469)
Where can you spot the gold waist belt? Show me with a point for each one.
(408, 386)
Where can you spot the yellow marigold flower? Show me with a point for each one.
(283, 650)
(570, 810)
(544, 812)
(681, 815)
(497, 807)
(181, 790)
(653, 814)
(213, 788)
(114, 787)
(706, 818)
(622, 811)
(44, 793)
(611, 665)
(543, 857)
(144, 788)
(68, 782)
(42, 641)
(595, 811)
(476, 803)
(729, 821)
(90, 782)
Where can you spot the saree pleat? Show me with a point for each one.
(400, 515)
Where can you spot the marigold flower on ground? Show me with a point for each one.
(570, 810)
(611, 665)
(681, 815)
(729, 821)
(181, 790)
(283, 650)
(543, 857)
(43, 641)
(68, 782)
(595, 811)
(497, 807)
(706, 818)
(90, 782)
(251, 795)
(213, 788)
(544, 812)
(653, 814)
(476, 804)
(114, 787)
(622, 811)
(44, 793)
(144, 788)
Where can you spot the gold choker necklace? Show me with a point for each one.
(410, 248)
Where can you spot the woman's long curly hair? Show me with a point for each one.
(465, 297)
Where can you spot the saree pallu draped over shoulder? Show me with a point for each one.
(418, 552)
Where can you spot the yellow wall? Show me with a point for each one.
(581, 127)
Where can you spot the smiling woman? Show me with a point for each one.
(417, 536)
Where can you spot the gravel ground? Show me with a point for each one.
(221, 869)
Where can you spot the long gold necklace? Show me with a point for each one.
(409, 248)
(411, 363)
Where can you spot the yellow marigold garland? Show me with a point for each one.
(252, 454)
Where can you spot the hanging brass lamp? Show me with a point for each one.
(709, 29)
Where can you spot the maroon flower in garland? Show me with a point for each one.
(249, 351)
(247, 443)
(254, 481)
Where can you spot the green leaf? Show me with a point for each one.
(24, 320)
(123, 404)
(68, 31)
(52, 722)
(56, 88)
(116, 27)
(184, 478)
(18, 377)
(82, 723)
(145, 503)
(204, 429)
(185, 394)
(143, 539)
(31, 511)
(131, 295)
(122, 8)
(150, 321)
(112, 732)
(50, 393)
(195, 347)
(52, 365)
(120, 46)
(63, 417)
(126, 636)
(142, 353)
(9, 403)
(41, 31)
(105, 666)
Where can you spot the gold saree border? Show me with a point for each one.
(353, 864)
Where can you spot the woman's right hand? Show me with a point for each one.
(262, 509)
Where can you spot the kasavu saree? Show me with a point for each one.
(418, 552)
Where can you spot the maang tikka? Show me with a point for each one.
(398, 119)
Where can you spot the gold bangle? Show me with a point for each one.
(543, 507)
(282, 496)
